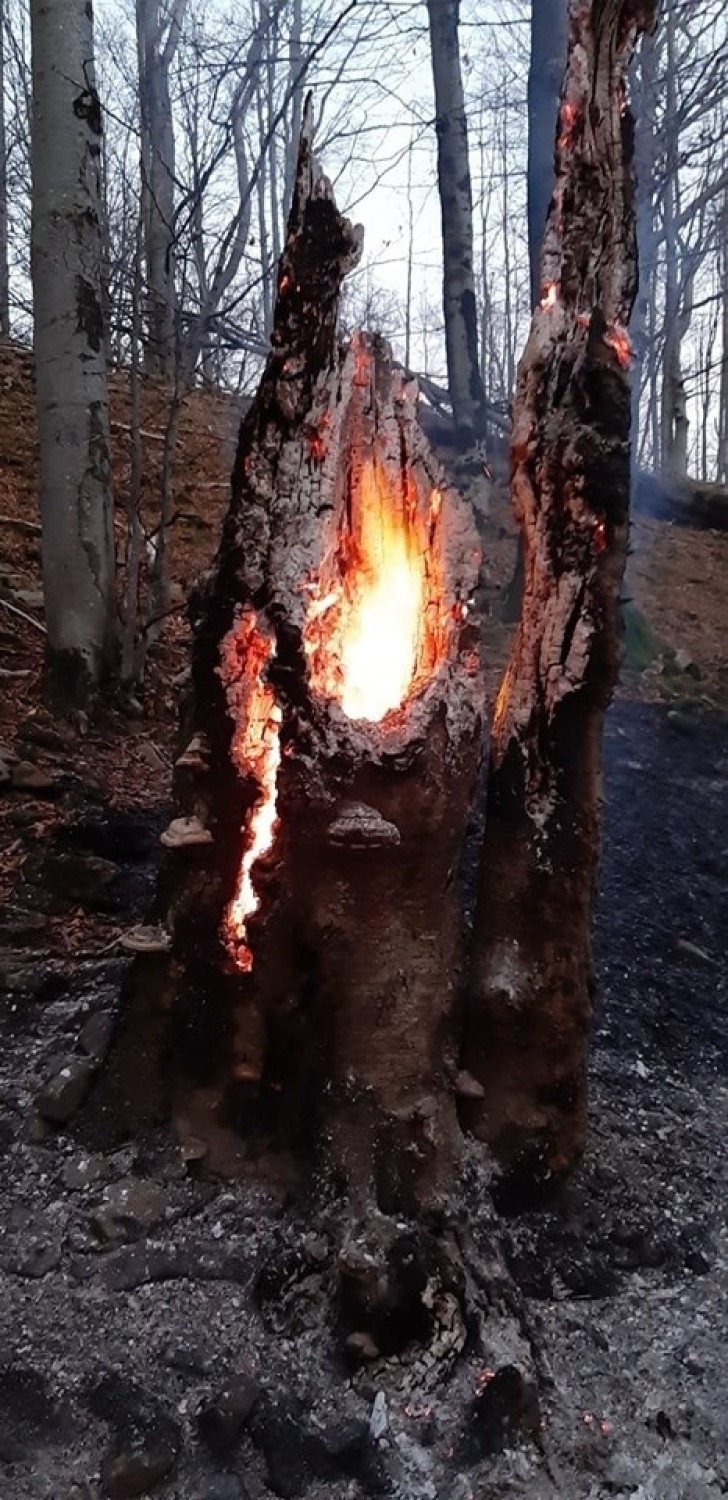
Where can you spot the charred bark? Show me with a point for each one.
(529, 997)
(304, 1011)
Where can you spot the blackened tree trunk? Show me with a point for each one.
(545, 75)
(529, 996)
(70, 364)
(453, 179)
(305, 1007)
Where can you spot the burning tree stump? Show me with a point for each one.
(529, 994)
(305, 1006)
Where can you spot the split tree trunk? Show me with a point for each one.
(70, 362)
(529, 996)
(456, 208)
(319, 1026)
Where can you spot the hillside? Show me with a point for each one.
(132, 1319)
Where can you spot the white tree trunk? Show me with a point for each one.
(71, 391)
(453, 172)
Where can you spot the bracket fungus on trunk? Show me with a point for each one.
(332, 741)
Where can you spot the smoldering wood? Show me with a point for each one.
(337, 1048)
(529, 997)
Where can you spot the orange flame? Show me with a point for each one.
(376, 629)
(550, 296)
(617, 338)
(375, 626)
(256, 751)
(568, 119)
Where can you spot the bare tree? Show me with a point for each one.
(71, 392)
(453, 175)
(545, 74)
(158, 33)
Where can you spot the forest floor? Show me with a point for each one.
(127, 1277)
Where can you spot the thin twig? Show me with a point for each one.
(21, 612)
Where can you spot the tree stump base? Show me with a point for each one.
(303, 1017)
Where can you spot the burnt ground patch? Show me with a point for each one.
(128, 1271)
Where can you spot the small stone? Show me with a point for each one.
(45, 735)
(362, 1346)
(468, 1087)
(379, 1419)
(29, 778)
(23, 928)
(95, 1034)
(82, 1171)
(129, 1208)
(62, 1095)
(34, 1259)
(193, 1149)
(152, 757)
(222, 1420)
(137, 1469)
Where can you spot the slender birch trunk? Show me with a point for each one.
(71, 389)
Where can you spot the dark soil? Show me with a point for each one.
(146, 1348)
(149, 1342)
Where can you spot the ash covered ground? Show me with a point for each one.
(140, 1351)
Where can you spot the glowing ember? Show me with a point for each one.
(550, 296)
(375, 625)
(617, 338)
(568, 118)
(256, 751)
